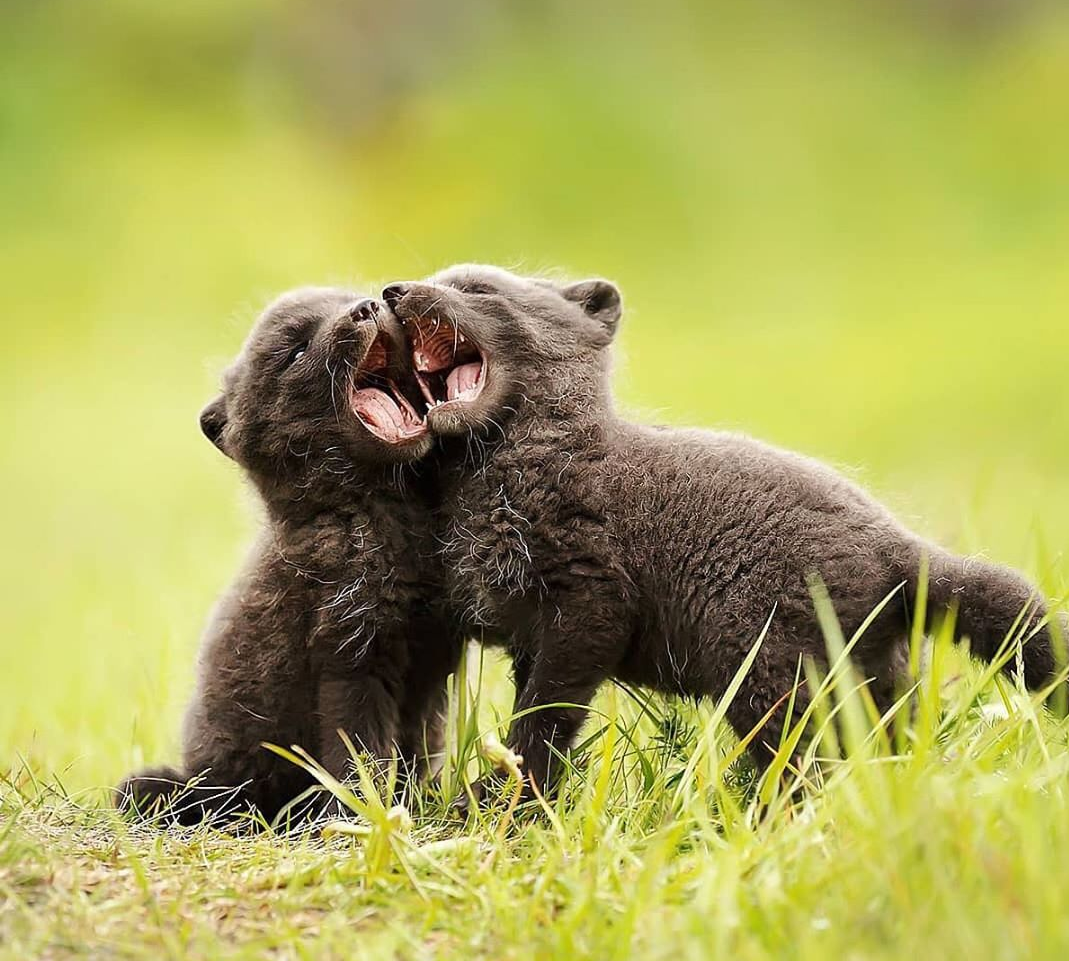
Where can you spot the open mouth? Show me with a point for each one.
(378, 403)
(450, 369)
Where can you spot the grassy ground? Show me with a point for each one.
(950, 843)
(844, 238)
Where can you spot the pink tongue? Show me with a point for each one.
(462, 379)
(379, 409)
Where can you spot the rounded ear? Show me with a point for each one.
(212, 421)
(600, 299)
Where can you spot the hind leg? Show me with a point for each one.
(763, 714)
(769, 705)
(889, 677)
(773, 695)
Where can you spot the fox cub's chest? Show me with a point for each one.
(368, 581)
(491, 550)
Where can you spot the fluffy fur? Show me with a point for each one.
(334, 623)
(604, 549)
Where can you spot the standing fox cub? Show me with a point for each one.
(603, 549)
(333, 625)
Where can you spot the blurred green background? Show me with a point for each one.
(845, 232)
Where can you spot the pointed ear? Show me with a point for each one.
(600, 299)
(213, 420)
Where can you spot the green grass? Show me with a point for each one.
(843, 236)
(660, 846)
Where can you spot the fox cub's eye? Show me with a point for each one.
(296, 354)
(474, 287)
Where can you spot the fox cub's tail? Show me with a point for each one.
(995, 606)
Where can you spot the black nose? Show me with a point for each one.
(366, 309)
(393, 293)
(213, 420)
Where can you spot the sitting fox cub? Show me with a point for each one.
(601, 548)
(332, 625)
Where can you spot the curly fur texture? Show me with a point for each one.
(603, 549)
(334, 623)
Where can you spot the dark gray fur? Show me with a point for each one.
(605, 549)
(334, 623)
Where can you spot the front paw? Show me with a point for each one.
(492, 791)
(313, 811)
